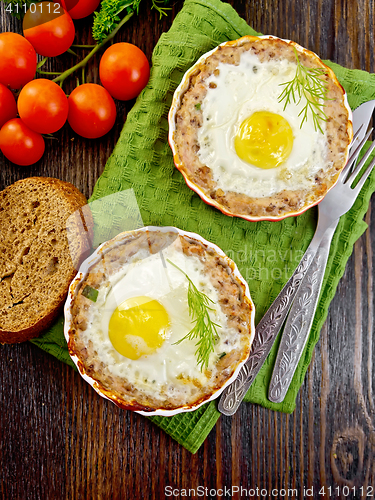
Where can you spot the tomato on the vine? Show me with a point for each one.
(92, 111)
(79, 9)
(17, 60)
(124, 70)
(8, 106)
(43, 106)
(49, 28)
(20, 144)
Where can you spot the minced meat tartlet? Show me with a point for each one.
(238, 144)
(128, 312)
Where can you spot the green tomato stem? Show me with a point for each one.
(70, 51)
(97, 47)
(41, 63)
(48, 72)
(83, 46)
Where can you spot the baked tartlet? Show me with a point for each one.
(128, 311)
(240, 147)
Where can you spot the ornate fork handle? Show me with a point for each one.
(298, 324)
(271, 323)
(266, 332)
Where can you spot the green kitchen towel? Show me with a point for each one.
(265, 252)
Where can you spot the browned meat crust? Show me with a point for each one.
(189, 120)
(232, 300)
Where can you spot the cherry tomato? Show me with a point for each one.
(17, 60)
(8, 106)
(49, 28)
(43, 106)
(124, 70)
(20, 144)
(92, 111)
(77, 9)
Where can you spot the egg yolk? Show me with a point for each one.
(264, 139)
(138, 327)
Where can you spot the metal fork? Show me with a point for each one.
(336, 203)
(302, 311)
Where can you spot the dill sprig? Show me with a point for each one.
(160, 6)
(204, 329)
(309, 85)
(108, 17)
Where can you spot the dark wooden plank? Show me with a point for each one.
(59, 439)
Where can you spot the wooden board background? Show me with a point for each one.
(60, 440)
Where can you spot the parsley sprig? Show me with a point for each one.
(308, 85)
(204, 328)
(108, 17)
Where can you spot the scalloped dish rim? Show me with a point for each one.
(82, 273)
(176, 102)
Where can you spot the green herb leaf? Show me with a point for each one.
(307, 84)
(204, 329)
(90, 293)
(108, 17)
(198, 106)
(222, 355)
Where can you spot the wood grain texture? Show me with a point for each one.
(60, 440)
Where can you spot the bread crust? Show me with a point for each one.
(36, 267)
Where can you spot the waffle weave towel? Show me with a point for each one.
(265, 252)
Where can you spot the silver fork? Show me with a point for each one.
(302, 311)
(336, 202)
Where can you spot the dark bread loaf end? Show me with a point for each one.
(36, 265)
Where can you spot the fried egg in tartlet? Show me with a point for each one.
(129, 315)
(245, 148)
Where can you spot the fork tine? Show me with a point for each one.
(361, 164)
(353, 156)
(364, 176)
(356, 135)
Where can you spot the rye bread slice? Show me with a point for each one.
(36, 265)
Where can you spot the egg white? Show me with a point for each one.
(152, 276)
(239, 92)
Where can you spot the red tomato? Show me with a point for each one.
(17, 60)
(124, 70)
(43, 106)
(20, 144)
(77, 9)
(49, 28)
(8, 107)
(92, 111)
